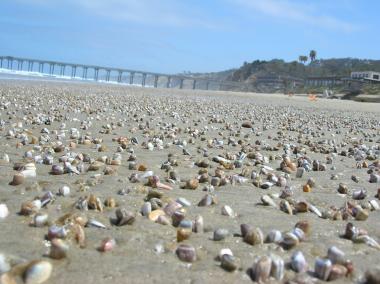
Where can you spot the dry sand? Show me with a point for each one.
(134, 260)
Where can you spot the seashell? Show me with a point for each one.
(30, 207)
(374, 205)
(301, 207)
(300, 172)
(274, 236)
(277, 267)
(124, 217)
(298, 262)
(254, 237)
(268, 201)
(95, 166)
(337, 271)
(95, 203)
(192, 184)
(198, 224)
(207, 200)
(223, 252)
(299, 233)
(215, 181)
(46, 198)
(266, 185)
(227, 211)
(57, 170)
(171, 207)
(109, 170)
(220, 234)
(156, 203)
(64, 190)
(286, 192)
(110, 202)
(59, 249)
(183, 234)
(95, 224)
(315, 210)
(229, 262)
(247, 124)
(342, 188)
(336, 255)
(261, 269)
(304, 225)
(4, 212)
(374, 178)
(306, 188)
(359, 194)
(107, 244)
(186, 253)
(322, 268)
(37, 272)
(163, 220)
(183, 201)
(40, 219)
(372, 276)
(18, 179)
(367, 240)
(55, 231)
(186, 224)
(146, 209)
(177, 217)
(153, 215)
(289, 240)
(361, 214)
(285, 207)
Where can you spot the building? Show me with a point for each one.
(366, 75)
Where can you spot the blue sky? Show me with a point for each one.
(187, 35)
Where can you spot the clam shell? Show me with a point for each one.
(322, 268)
(227, 211)
(18, 179)
(38, 272)
(277, 267)
(337, 271)
(186, 253)
(229, 262)
(267, 200)
(285, 207)
(336, 255)
(153, 216)
(124, 217)
(107, 244)
(59, 249)
(198, 224)
(64, 190)
(40, 219)
(4, 212)
(183, 234)
(254, 237)
(274, 236)
(220, 234)
(261, 269)
(290, 240)
(298, 262)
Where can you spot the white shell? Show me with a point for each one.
(227, 211)
(4, 212)
(298, 262)
(225, 251)
(38, 272)
(322, 268)
(64, 190)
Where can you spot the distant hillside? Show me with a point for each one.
(323, 67)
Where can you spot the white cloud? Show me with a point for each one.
(297, 12)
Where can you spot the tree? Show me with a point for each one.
(303, 58)
(312, 55)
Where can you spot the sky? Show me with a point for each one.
(172, 36)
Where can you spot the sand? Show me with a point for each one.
(134, 259)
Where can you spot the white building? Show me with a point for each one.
(366, 75)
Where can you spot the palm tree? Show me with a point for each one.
(312, 55)
(302, 58)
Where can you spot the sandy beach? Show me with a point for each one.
(247, 145)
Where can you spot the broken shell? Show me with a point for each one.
(198, 224)
(227, 211)
(301, 207)
(337, 271)
(322, 268)
(59, 249)
(107, 244)
(267, 200)
(153, 216)
(124, 217)
(37, 272)
(298, 262)
(186, 253)
(261, 269)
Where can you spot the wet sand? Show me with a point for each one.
(277, 120)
